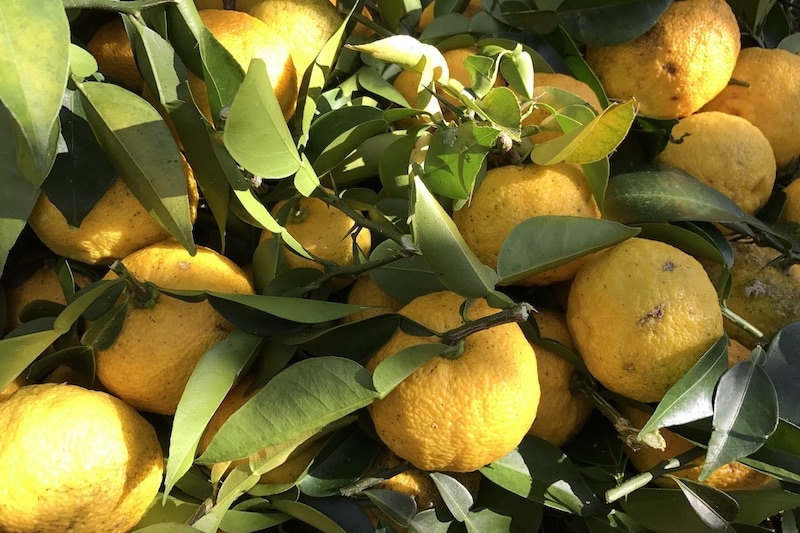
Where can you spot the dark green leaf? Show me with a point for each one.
(780, 455)
(406, 278)
(79, 358)
(597, 174)
(440, 242)
(141, 146)
(691, 398)
(236, 521)
(295, 309)
(337, 133)
(609, 22)
(393, 166)
(168, 527)
(161, 69)
(745, 415)
(354, 340)
(308, 515)
(693, 239)
(715, 508)
(664, 511)
(393, 370)
(312, 393)
(783, 368)
(542, 243)
(255, 133)
(35, 67)
(347, 454)
(666, 196)
(455, 495)
(104, 331)
(399, 507)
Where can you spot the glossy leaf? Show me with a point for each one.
(664, 511)
(715, 508)
(745, 415)
(449, 257)
(236, 521)
(295, 309)
(455, 495)
(255, 132)
(691, 398)
(409, 53)
(542, 243)
(597, 174)
(141, 146)
(539, 471)
(161, 69)
(609, 22)
(430, 521)
(406, 278)
(308, 515)
(102, 333)
(345, 457)
(691, 238)
(455, 158)
(337, 133)
(35, 67)
(314, 393)
(81, 63)
(780, 454)
(666, 196)
(393, 370)
(211, 380)
(783, 367)
(399, 507)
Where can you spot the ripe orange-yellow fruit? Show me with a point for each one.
(511, 194)
(766, 93)
(677, 66)
(304, 25)
(537, 116)
(791, 210)
(150, 362)
(115, 227)
(726, 152)
(366, 292)
(561, 413)
(641, 313)
(77, 460)
(460, 414)
(41, 285)
(731, 476)
(247, 38)
(112, 50)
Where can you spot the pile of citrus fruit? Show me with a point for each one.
(427, 266)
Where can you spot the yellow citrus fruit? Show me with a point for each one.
(511, 194)
(75, 460)
(769, 100)
(304, 25)
(42, 285)
(426, 17)
(112, 50)
(641, 313)
(150, 362)
(678, 65)
(115, 227)
(366, 292)
(247, 38)
(726, 152)
(323, 230)
(561, 414)
(458, 414)
(561, 81)
(287, 472)
(731, 476)
(791, 210)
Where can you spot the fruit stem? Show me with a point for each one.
(743, 324)
(518, 313)
(144, 294)
(369, 482)
(640, 480)
(132, 7)
(585, 386)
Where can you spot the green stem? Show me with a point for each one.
(640, 480)
(144, 294)
(518, 313)
(368, 482)
(133, 7)
(743, 324)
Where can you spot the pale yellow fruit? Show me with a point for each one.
(459, 414)
(115, 227)
(731, 476)
(75, 460)
(511, 194)
(304, 25)
(156, 351)
(561, 414)
(366, 292)
(771, 99)
(677, 66)
(112, 50)
(426, 17)
(323, 230)
(247, 38)
(641, 313)
(561, 81)
(726, 152)
(42, 285)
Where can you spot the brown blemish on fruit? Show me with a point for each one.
(669, 266)
(670, 68)
(654, 314)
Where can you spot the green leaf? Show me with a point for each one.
(162, 71)
(487, 520)
(81, 63)
(255, 132)
(308, 515)
(666, 196)
(663, 511)
(102, 333)
(345, 457)
(780, 455)
(248, 521)
(609, 22)
(449, 257)
(397, 367)
(590, 142)
(296, 309)
(501, 107)
(35, 67)
(456, 157)
(430, 521)
(597, 175)
(392, 11)
(539, 471)
(399, 507)
(406, 278)
(691, 398)
(337, 133)
(455, 495)
(745, 415)
(354, 340)
(715, 508)
(544, 242)
(211, 380)
(312, 393)
(168, 527)
(140, 145)
(783, 368)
